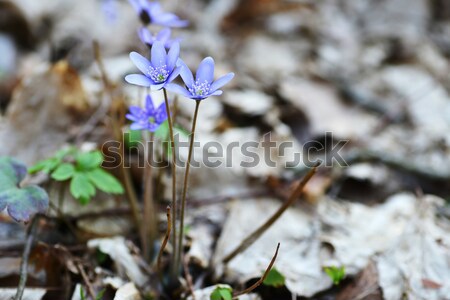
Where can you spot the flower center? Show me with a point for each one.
(151, 120)
(200, 88)
(159, 74)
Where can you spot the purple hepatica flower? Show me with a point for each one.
(204, 85)
(151, 12)
(160, 70)
(147, 118)
(163, 36)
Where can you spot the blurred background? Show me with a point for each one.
(373, 73)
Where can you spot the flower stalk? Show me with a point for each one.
(174, 183)
(150, 216)
(185, 185)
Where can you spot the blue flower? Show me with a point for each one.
(110, 10)
(204, 85)
(147, 118)
(160, 70)
(163, 36)
(152, 13)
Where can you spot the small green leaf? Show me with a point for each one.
(105, 181)
(81, 188)
(63, 172)
(274, 278)
(46, 166)
(222, 293)
(89, 160)
(336, 274)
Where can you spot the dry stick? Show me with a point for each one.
(149, 221)
(174, 185)
(89, 286)
(261, 280)
(165, 240)
(25, 257)
(186, 178)
(247, 242)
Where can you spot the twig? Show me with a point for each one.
(261, 280)
(247, 242)
(165, 240)
(83, 274)
(188, 278)
(25, 256)
(185, 186)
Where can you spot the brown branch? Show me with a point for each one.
(261, 280)
(166, 239)
(26, 255)
(247, 242)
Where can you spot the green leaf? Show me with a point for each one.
(81, 188)
(222, 293)
(274, 278)
(105, 181)
(100, 294)
(162, 132)
(46, 166)
(336, 274)
(21, 203)
(89, 160)
(63, 172)
(132, 138)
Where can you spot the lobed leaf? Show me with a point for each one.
(89, 160)
(81, 188)
(63, 172)
(222, 293)
(21, 203)
(105, 181)
(274, 278)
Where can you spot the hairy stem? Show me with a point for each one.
(185, 185)
(174, 185)
(150, 222)
(25, 257)
(261, 280)
(165, 240)
(251, 238)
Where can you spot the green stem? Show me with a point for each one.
(150, 222)
(185, 185)
(174, 185)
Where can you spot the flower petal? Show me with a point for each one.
(158, 55)
(149, 104)
(145, 36)
(205, 71)
(164, 35)
(174, 75)
(138, 79)
(216, 93)
(138, 126)
(173, 56)
(175, 88)
(161, 113)
(221, 82)
(141, 62)
(186, 74)
(157, 87)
